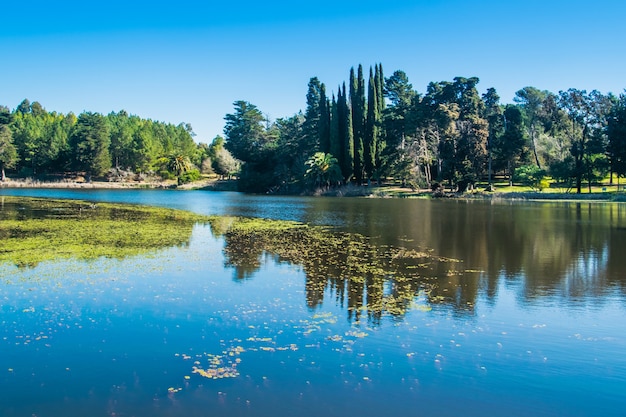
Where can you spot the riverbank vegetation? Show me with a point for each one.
(369, 130)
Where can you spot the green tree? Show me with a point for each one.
(178, 164)
(8, 153)
(495, 119)
(532, 101)
(434, 121)
(473, 130)
(313, 118)
(395, 119)
(554, 142)
(290, 155)
(6, 118)
(357, 100)
(346, 135)
(322, 170)
(41, 139)
(121, 131)
(23, 107)
(372, 126)
(616, 132)
(254, 141)
(379, 80)
(90, 142)
(399, 90)
(324, 121)
(333, 134)
(244, 131)
(587, 115)
(37, 109)
(510, 147)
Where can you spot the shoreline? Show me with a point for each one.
(111, 185)
(346, 191)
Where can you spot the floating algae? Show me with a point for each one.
(34, 230)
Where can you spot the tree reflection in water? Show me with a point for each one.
(364, 278)
(560, 250)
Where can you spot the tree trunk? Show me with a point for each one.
(532, 139)
(508, 168)
(579, 175)
(489, 168)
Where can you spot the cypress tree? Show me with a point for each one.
(324, 121)
(357, 99)
(333, 136)
(371, 128)
(379, 79)
(346, 138)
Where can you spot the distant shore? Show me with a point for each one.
(218, 185)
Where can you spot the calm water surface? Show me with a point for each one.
(530, 322)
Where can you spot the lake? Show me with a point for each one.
(523, 313)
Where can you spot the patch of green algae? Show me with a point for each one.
(34, 230)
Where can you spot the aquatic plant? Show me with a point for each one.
(34, 230)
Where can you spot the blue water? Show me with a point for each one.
(534, 334)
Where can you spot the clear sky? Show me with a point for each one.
(188, 61)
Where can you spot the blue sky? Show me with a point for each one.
(188, 61)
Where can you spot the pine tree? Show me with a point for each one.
(90, 142)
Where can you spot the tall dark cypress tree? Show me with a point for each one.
(333, 135)
(346, 138)
(371, 128)
(379, 79)
(381, 144)
(357, 99)
(324, 121)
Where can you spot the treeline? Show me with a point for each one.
(373, 129)
(37, 143)
(452, 135)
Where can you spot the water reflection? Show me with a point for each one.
(447, 255)
(364, 278)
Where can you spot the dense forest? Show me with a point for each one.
(40, 144)
(377, 130)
